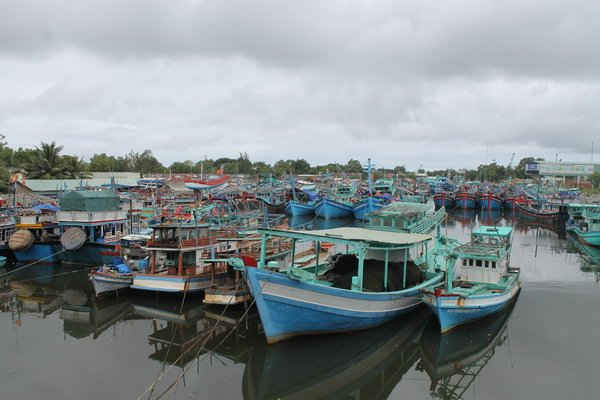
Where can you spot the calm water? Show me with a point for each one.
(58, 342)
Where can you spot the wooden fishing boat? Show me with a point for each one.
(109, 278)
(370, 278)
(177, 254)
(584, 221)
(206, 184)
(466, 200)
(542, 215)
(363, 208)
(296, 208)
(454, 360)
(329, 209)
(444, 199)
(490, 201)
(406, 217)
(484, 283)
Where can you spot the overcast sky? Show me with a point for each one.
(432, 83)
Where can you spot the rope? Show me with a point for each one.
(182, 374)
(162, 374)
(33, 263)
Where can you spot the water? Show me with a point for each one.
(58, 342)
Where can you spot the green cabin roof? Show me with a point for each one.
(90, 200)
(493, 230)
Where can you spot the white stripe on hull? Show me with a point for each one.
(338, 302)
(471, 302)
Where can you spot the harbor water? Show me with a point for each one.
(57, 341)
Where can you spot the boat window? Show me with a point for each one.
(494, 264)
(464, 261)
(470, 262)
(487, 264)
(478, 263)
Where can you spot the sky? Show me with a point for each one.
(432, 84)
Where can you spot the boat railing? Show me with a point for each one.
(175, 244)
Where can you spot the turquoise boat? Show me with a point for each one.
(406, 217)
(483, 284)
(297, 209)
(363, 208)
(584, 221)
(329, 209)
(367, 278)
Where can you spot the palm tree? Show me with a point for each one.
(45, 162)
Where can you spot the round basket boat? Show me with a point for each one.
(73, 238)
(21, 240)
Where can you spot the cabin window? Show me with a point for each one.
(487, 264)
(470, 262)
(464, 261)
(494, 264)
(478, 263)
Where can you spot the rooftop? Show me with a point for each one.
(357, 234)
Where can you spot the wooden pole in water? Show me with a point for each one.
(385, 274)
(318, 249)
(404, 271)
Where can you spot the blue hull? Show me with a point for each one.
(467, 203)
(451, 316)
(490, 204)
(290, 308)
(330, 209)
(91, 254)
(362, 209)
(446, 202)
(296, 209)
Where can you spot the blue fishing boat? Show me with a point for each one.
(490, 201)
(584, 222)
(329, 209)
(296, 208)
(94, 216)
(444, 199)
(368, 278)
(484, 283)
(466, 200)
(366, 206)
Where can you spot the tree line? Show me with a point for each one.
(46, 161)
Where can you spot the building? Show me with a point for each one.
(569, 173)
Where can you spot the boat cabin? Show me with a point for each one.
(486, 258)
(492, 235)
(97, 213)
(7, 228)
(351, 258)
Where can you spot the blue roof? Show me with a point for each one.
(45, 207)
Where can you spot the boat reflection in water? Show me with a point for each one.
(589, 256)
(454, 360)
(464, 216)
(360, 365)
(490, 217)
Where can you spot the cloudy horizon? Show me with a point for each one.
(417, 83)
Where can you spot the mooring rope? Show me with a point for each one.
(33, 263)
(198, 339)
(182, 374)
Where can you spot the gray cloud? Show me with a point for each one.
(421, 82)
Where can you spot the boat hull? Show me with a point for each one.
(441, 200)
(465, 201)
(289, 308)
(452, 311)
(533, 215)
(90, 254)
(588, 238)
(330, 209)
(490, 202)
(362, 209)
(175, 283)
(296, 209)
(108, 283)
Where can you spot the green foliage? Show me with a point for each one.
(45, 162)
(595, 178)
